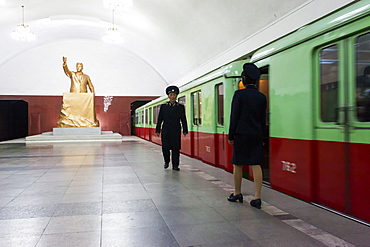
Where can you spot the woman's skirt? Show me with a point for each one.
(248, 150)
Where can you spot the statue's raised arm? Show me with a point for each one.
(65, 67)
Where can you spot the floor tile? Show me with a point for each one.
(74, 224)
(81, 208)
(23, 227)
(154, 237)
(189, 216)
(110, 207)
(19, 241)
(27, 211)
(207, 234)
(139, 219)
(76, 239)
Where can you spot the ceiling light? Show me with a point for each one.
(113, 36)
(22, 32)
(117, 4)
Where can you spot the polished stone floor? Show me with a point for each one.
(118, 194)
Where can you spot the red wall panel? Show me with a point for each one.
(43, 112)
(124, 123)
(291, 168)
(186, 144)
(207, 146)
(156, 139)
(35, 123)
(330, 174)
(359, 182)
(223, 153)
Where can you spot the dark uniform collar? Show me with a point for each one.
(251, 86)
(172, 104)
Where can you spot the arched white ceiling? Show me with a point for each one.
(166, 41)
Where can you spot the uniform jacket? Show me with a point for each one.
(248, 112)
(171, 116)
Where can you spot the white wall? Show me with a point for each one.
(38, 71)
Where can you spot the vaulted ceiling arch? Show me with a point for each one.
(166, 41)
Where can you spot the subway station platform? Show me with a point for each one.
(118, 194)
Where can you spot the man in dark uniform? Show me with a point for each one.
(171, 114)
(246, 132)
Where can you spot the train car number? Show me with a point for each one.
(289, 167)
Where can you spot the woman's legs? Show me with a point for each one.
(257, 175)
(238, 175)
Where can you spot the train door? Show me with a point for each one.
(342, 127)
(150, 116)
(186, 140)
(359, 147)
(196, 121)
(146, 125)
(221, 137)
(263, 87)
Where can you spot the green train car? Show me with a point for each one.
(317, 81)
(207, 103)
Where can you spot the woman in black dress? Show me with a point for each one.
(246, 133)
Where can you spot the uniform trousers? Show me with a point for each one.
(175, 156)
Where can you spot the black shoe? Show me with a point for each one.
(233, 198)
(176, 168)
(166, 165)
(256, 203)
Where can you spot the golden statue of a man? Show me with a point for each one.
(79, 80)
(78, 106)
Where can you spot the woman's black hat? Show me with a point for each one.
(250, 70)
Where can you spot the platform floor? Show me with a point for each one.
(118, 194)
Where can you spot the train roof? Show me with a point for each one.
(233, 69)
(332, 21)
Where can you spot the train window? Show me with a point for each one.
(155, 116)
(182, 100)
(220, 104)
(197, 107)
(146, 116)
(158, 109)
(362, 47)
(263, 87)
(200, 107)
(142, 117)
(329, 83)
(136, 118)
(155, 113)
(150, 115)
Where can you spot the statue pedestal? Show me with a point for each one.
(76, 123)
(93, 131)
(75, 135)
(78, 110)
